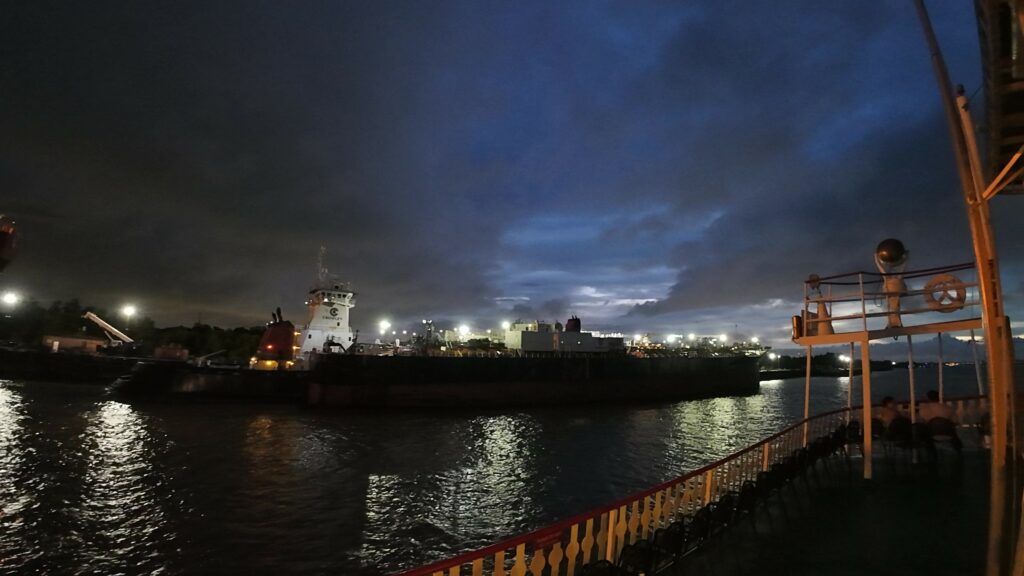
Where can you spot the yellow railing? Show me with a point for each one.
(859, 301)
(601, 534)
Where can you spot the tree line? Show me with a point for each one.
(25, 326)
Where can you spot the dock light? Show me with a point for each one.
(11, 298)
(463, 330)
(722, 338)
(844, 358)
(691, 336)
(637, 337)
(505, 324)
(383, 325)
(753, 340)
(129, 310)
(488, 330)
(772, 356)
(671, 338)
(404, 332)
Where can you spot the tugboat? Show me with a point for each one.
(324, 364)
(326, 331)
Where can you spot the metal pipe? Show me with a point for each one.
(863, 305)
(997, 337)
(910, 374)
(941, 387)
(849, 388)
(865, 380)
(807, 393)
(977, 364)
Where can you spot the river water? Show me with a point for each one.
(92, 484)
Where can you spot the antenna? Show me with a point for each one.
(321, 271)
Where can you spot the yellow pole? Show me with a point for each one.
(999, 349)
(942, 392)
(910, 375)
(849, 388)
(865, 384)
(998, 343)
(977, 364)
(807, 394)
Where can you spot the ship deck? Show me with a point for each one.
(911, 519)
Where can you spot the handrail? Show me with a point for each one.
(831, 307)
(906, 274)
(552, 534)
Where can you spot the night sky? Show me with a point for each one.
(664, 167)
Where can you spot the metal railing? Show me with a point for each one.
(856, 301)
(601, 534)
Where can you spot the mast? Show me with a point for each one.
(998, 340)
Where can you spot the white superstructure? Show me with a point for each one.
(327, 323)
(543, 337)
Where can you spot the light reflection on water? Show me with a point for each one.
(13, 498)
(122, 511)
(94, 485)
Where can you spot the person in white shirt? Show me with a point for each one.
(934, 409)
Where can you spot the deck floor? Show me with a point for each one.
(912, 519)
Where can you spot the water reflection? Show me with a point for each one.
(490, 491)
(92, 485)
(122, 518)
(14, 499)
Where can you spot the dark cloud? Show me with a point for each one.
(647, 166)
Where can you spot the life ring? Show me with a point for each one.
(945, 293)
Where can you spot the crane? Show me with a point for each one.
(115, 336)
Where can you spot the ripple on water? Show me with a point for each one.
(93, 485)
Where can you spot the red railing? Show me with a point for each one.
(601, 533)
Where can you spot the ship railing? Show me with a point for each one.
(602, 533)
(864, 301)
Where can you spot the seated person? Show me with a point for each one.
(889, 411)
(939, 418)
(935, 409)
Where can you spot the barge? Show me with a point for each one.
(323, 364)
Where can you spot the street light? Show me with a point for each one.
(505, 324)
(722, 338)
(383, 325)
(11, 298)
(129, 310)
(691, 336)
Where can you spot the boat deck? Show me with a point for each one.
(912, 519)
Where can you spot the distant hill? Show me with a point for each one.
(925, 350)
